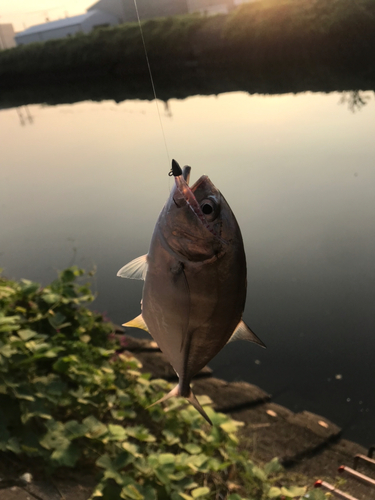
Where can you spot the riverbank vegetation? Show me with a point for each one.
(72, 396)
(270, 42)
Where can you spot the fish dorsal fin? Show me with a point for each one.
(137, 322)
(135, 270)
(243, 332)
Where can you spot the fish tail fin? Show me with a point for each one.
(194, 401)
(175, 392)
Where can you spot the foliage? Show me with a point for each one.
(338, 33)
(68, 398)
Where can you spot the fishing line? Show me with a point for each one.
(152, 80)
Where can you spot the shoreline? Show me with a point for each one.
(309, 43)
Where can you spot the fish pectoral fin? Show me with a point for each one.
(135, 270)
(175, 392)
(137, 322)
(243, 332)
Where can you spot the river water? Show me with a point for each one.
(83, 184)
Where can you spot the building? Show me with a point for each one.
(6, 36)
(212, 7)
(111, 12)
(63, 28)
(147, 9)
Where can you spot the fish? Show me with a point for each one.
(195, 280)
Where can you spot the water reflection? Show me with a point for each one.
(86, 185)
(355, 100)
(24, 116)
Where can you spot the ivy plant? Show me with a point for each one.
(70, 397)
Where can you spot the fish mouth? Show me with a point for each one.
(204, 183)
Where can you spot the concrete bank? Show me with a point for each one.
(305, 443)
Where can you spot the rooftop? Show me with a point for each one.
(60, 23)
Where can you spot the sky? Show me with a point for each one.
(25, 13)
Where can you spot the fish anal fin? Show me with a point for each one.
(243, 332)
(137, 322)
(175, 392)
(135, 270)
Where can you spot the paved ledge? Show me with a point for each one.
(271, 430)
(157, 364)
(305, 443)
(232, 396)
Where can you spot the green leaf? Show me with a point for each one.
(204, 400)
(184, 496)
(162, 475)
(66, 455)
(170, 437)
(6, 292)
(7, 351)
(67, 276)
(56, 320)
(74, 429)
(28, 287)
(55, 437)
(14, 445)
(231, 426)
(274, 492)
(140, 433)
(51, 298)
(131, 448)
(259, 473)
(9, 320)
(24, 393)
(167, 458)
(104, 462)
(121, 414)
(116, 433)
(200, 492)
(122, 460)
(26, 334)
(273, 466)
(131, 491)
(95, 428)
(192, 448)
(293, 491)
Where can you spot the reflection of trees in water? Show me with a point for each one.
(167, 109)
(25, 116)
(355, 99)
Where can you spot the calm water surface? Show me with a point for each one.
(84, 184)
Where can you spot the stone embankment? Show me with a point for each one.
(306, 444)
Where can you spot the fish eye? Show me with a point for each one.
(209, 208)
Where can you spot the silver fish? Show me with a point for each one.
(195, 280)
